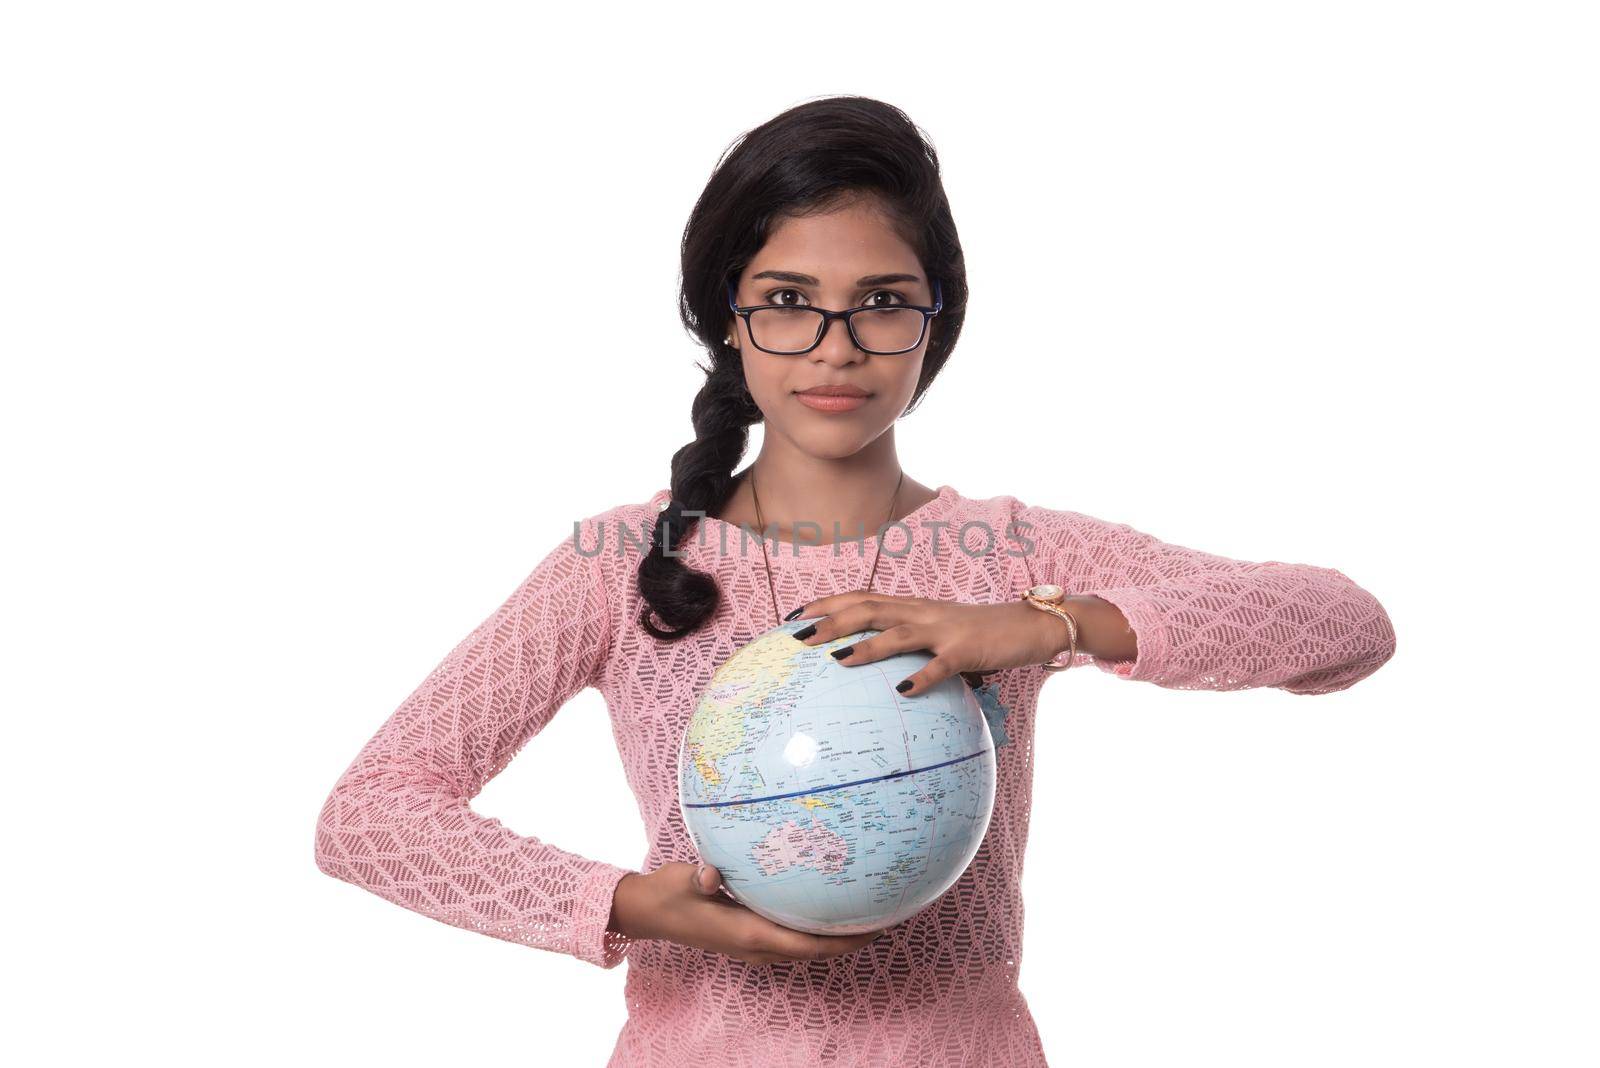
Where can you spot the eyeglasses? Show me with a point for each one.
(796, 329)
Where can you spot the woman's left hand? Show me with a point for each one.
(969, 639)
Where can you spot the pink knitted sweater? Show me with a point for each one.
(941, 988)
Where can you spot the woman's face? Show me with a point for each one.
(848, 258)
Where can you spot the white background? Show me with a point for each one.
(319, 320)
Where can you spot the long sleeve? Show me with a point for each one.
(1208, 622)
(398, 822)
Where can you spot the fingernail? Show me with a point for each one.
(796, 612)
(903, 685)
(840, 654)
(805, 632)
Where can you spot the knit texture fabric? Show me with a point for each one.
(941, 988)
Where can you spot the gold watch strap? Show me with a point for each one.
(1062, 660)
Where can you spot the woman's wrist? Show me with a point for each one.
(1058, 631)
(624, 904)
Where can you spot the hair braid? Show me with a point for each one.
(702, 481)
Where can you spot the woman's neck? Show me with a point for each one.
(782, 491)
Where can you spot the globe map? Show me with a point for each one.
(829, 802)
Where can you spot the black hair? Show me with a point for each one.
(809, 159)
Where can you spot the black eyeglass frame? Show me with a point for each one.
(847, 315)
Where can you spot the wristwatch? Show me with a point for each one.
(1047, 597)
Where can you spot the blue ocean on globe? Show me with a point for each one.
(830, 803)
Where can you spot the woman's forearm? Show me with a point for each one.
(1103, 631)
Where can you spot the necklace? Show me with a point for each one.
(762, 527)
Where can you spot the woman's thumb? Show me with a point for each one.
(707, 879)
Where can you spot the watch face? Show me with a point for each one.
(1047, 592)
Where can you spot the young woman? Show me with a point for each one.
(832, 207)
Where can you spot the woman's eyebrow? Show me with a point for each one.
(807, 280)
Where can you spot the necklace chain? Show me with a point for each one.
(761, 526)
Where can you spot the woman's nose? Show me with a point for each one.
(837, 347)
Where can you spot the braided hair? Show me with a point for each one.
(807, 159)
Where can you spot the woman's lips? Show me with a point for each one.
(823, 402)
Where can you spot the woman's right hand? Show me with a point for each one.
(683, 903)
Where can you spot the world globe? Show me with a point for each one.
(829, 802)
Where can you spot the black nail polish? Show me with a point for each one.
(796, 612)
(805, 632)
(903, 685)
(840, 654)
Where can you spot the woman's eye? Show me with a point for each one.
(780, 296)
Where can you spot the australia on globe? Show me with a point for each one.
(829, 802)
